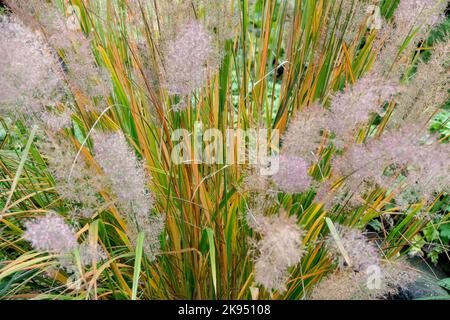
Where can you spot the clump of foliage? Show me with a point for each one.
(94, 97)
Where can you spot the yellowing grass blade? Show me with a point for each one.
(338, 241)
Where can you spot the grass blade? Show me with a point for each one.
(23, 159)
(212, 257)
(338, 241)
(137, 264)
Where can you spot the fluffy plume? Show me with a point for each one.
(84, 71)
(423, 164)
(187, 59)
(352, 17)
(216, 17)
(292, 175)
(411, 16)
(127, 178)
(338, 286)
(367, 278)
(253, 181)
(415, 13)
(64, 33)
(29, 71)
(219, 19)
(279, 249)
(376, 283)
(125, 172)
(349, 109)
(428, 169)
(51, 233)
(356, 103)
(427, 90)
(361, 252)
(152, 226)
(57, 121)
(91, 253)
(79, 187)
(366, 162)
(302, 139)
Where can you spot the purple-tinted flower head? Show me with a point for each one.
(28, 78)
(78, 187)
(123, 169)
(292, 175)
(64, 33)
(51, 233)
(361, 252)
(127, 178)
(424, 165)
(304, 133)
(187, 58)
(55, 121)
(91, 253)
(378, 282)
(412, 13)
(356, 103)
(279, 249)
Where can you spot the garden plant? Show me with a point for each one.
(223, 149)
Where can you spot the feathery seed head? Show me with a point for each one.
(375, 283)
(91, 253)
(81, 190)
(303, 135)
(361, 252)
(51, 233)
(29, 78)
(356, 103)
(125, 172)
(127, 178)
(292, 175)
(279, 249)
(187, 59)
(416, 13)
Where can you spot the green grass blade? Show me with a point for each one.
(212, 257)
(23, 159)
(137, 264)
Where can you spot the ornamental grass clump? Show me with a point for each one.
(301, 126)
